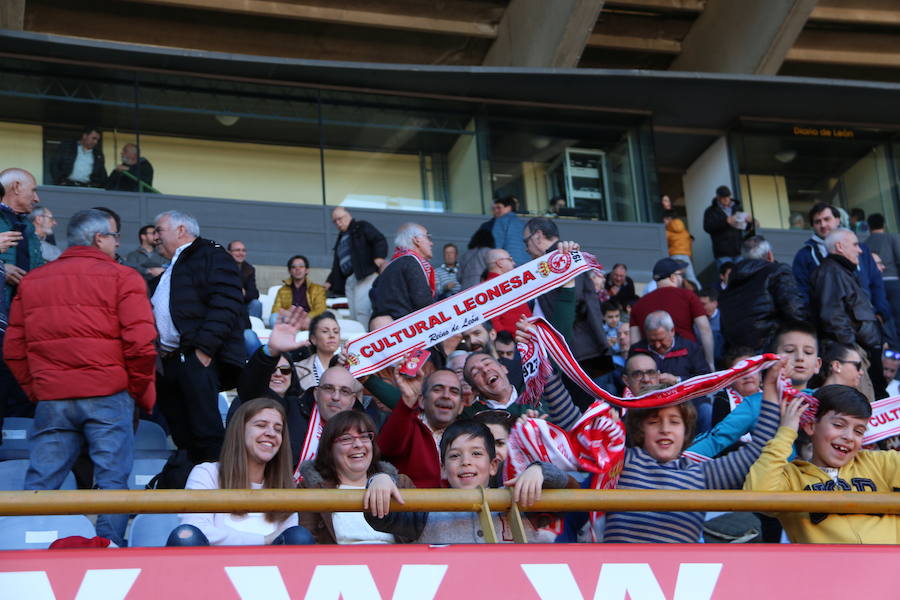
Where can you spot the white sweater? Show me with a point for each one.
(225, 529)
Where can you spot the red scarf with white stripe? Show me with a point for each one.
(548, 343)
(426, 266)
(311, 442)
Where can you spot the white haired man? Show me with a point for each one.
(408, 282)
(199, 306)
(360, 253)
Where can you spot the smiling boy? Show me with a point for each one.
(838, 463)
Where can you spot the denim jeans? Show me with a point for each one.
(251, 341)
(190, 535)
(105, 424)
(254, 309)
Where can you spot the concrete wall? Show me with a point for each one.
(701, 179)
(273, 231)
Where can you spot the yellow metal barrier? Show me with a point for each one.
(194, 501)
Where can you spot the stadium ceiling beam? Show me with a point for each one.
(743, 37)
(537, 33)
(862, 12)
(308, 12)
(12, 15)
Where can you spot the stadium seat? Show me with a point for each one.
(350, 329)
(267, 301)
(38, 532)
(12, 476)
(257, 324)
(143, 470)
(151, 441)
(152, 531)
(16, 434)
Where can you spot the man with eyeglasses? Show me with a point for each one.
(683, 306)
(86, 362)
(499, 262)
(43, 226)
(359, 255)
(641, 374)
(198, 304)
(408, 283)
(269, 373)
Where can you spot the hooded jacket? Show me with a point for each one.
(841, 307)
(760, 296)
(877, 471)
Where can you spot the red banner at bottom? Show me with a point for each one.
(543, 572)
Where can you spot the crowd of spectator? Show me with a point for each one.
(96, 341)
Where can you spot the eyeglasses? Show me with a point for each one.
(892, 354)
(111, 234)
(286, 370)
(347, 439)
(641, 374)
(331, 390)
(855, 363)
(425, 235)
(528, 237)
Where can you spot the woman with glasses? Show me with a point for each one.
(254, 456)
(349, 459)
(844, 365)
(325, 340)
(269, 373)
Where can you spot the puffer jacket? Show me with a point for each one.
(760, 296)
(207, 306)
(841, 308)
(80, 327)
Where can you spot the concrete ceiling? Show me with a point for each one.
(853, 39)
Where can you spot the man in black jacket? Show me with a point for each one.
(80, 162)
(198, 305)
(725, 224)
(842, 308)
(135, 174)
(360, 253)
(408, 282)
(761, 296)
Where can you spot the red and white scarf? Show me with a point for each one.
(548, 343)
(311, 442)
(595, 444)
(426, 266)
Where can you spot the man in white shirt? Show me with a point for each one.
(80, 162)
(198, 306)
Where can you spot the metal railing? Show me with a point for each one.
(482, 501)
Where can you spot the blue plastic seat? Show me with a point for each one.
(12, 476)
(143, 470)
(16, 438)
(152, 531)
(151, 441)
(38, 532)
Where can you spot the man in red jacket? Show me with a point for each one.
(80, 343)
(411, 435)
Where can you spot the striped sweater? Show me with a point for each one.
(642, 472)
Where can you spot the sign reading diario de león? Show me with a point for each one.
(410, 572)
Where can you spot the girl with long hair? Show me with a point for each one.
(255, 455)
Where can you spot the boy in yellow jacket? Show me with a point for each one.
(838, 464)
